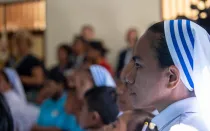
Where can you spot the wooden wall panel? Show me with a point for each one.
(27, 15)
(1, 17)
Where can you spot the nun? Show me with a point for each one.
(170, 70)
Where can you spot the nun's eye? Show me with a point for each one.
(138, 65)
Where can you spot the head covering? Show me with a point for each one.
(16, 84)
(189, 46)
(101, 76)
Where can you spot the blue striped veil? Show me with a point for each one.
(101, 76)
(189, 46)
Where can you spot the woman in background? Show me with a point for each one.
(126, 54)
(95, 75)
(28, 67)
(58, 72)
(97, 55)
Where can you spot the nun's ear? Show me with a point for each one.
(173, 77)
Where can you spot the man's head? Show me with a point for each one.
(151, 75)
(63, 53)
(79, 45)
(23, 41)
(96, 49)
(131, 37)
(88, 32)
(99, 107)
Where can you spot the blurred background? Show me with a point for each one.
(51, 48)
(56, 21)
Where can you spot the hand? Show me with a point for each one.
(50, 89)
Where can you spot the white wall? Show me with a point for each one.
(110, 18)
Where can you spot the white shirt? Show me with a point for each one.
(24, 115)
(128, 56)
(180, 116)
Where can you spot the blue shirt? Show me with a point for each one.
(52, 114)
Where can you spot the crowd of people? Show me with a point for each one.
(153, 88)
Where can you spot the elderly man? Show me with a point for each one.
(170, 70)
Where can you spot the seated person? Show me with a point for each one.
(52, 114)
(83, 80)
(95, 75)
(24, 114)
(6, 121)
(99, 109)
(58, 72)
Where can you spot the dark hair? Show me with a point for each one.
(66, 48)
(160, 46)
(80, 38)
(103, 101)
(98, 45)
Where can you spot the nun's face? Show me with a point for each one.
(3, 83)
(83, 82)
(143, 76)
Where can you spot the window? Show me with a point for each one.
(28, 15)
(173, 8)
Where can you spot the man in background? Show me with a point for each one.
(87, 32)
(126, 54)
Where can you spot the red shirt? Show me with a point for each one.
(106, 65)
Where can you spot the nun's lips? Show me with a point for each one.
(122, 101)
(132, 93)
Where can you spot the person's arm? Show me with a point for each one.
(40, 128)
(37, 77)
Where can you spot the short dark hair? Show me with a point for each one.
(160, 46)
(98, 45)
(65, 47)
(103, 101)
(80, 38)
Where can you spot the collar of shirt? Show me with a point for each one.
(174, 110)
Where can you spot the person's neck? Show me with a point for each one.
(176, 95)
